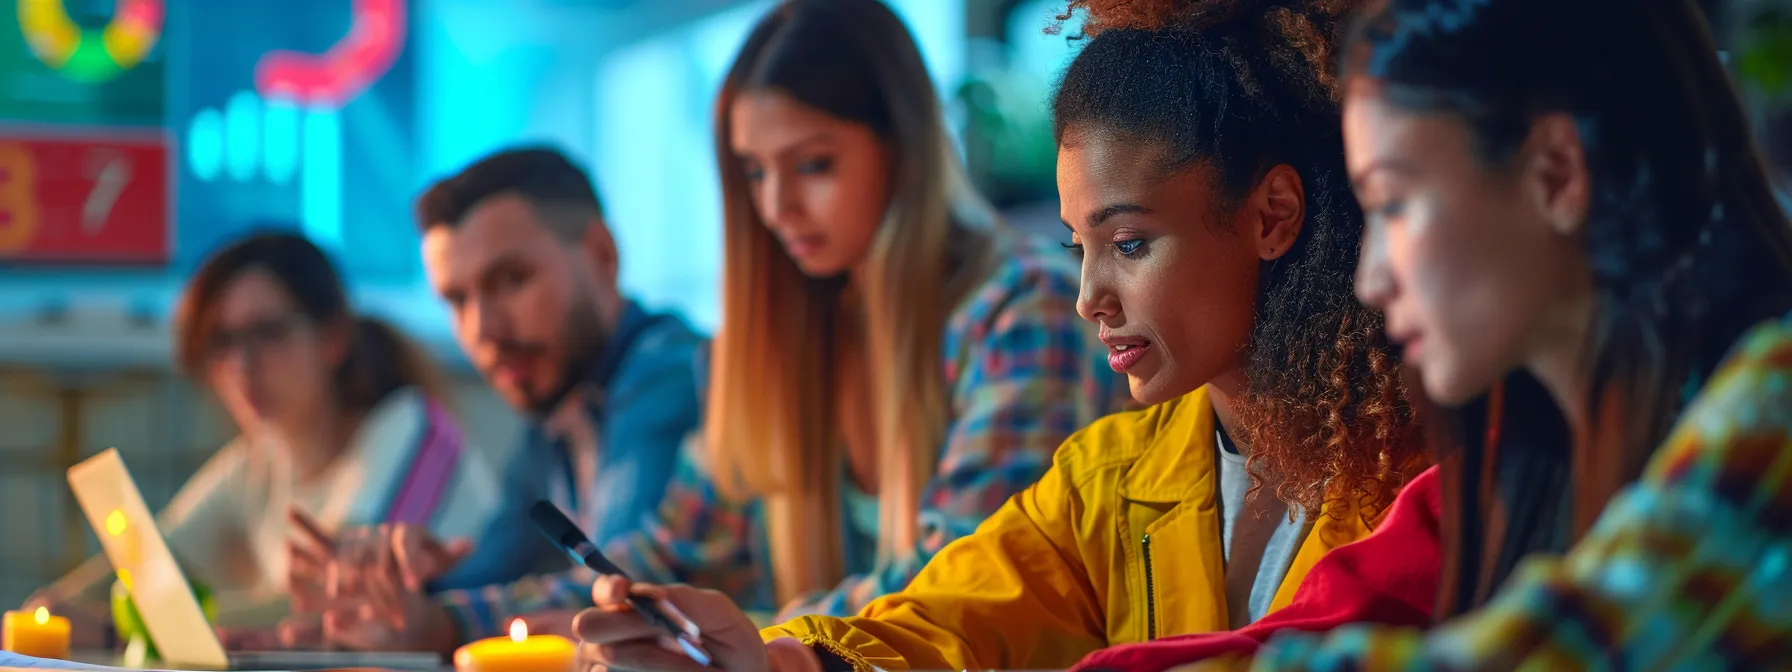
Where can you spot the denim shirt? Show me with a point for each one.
(642, 397)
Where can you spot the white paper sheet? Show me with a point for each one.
(11, 661)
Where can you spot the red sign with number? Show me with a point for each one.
(83, 200)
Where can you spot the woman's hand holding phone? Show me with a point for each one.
(620, 639)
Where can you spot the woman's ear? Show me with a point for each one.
(1278, 210)
(1553, 173)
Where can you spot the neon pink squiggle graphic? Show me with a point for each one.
(337, 76)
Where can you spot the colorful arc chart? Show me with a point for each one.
(91, 55)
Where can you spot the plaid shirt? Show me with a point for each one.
(1025, 372)
(1689, 569)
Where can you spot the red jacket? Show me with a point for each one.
(1390, 577)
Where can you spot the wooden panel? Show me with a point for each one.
(29, 418)
(33, 531)
(29, 536)
(121, 420)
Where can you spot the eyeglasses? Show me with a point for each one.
(254, 336)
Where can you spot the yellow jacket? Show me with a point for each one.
(1118, 543)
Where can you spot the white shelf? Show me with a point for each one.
(124, 322)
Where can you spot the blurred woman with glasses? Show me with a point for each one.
(341, 420)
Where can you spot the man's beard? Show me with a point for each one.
(584, 335)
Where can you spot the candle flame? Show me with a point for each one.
(43, 615)
(519, 630)
(115, 523)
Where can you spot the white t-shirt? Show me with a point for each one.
(1283, 544)
(228, 524)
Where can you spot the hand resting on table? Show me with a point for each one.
(363, 589)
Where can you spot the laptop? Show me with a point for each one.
(170, 613)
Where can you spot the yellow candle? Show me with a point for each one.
(35, 634)
(517, 653)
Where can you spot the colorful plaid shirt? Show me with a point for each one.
(1689, 569)
(1025, 372)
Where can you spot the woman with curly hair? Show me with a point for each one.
(1578, 199)
(1202, 179)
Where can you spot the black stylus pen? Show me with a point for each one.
(567, 536)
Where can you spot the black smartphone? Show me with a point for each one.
(560, 530)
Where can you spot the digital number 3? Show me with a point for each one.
(18, 197)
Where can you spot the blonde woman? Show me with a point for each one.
(893, 364)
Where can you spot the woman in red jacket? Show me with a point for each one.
(1568, 188)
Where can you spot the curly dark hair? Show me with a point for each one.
(1241, 87)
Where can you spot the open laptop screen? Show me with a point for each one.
(127, 531)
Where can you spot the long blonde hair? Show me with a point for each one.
(772, 420)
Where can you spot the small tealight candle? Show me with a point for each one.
(520, 652)
(37, 634)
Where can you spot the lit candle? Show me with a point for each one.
(37, 634)
(517, 653)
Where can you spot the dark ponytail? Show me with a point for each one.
(1504, 462)
(380, 360)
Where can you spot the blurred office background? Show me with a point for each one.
(198, 119)
(205, 118)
